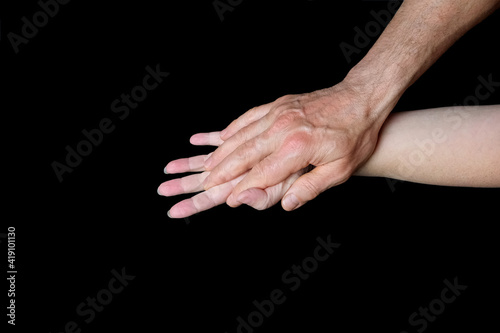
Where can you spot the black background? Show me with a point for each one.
(398, 242)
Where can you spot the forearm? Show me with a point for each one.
(420, 32)
(454, 146)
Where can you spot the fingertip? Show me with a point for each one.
(232, 202)
(192, 139)
(174, 216)
(167, 167)
(182, 209)
(176, 213)
(290, 202)
(200, 139)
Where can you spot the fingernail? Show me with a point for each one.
(165, 171)
(158, 190)
(168, 213)
(290, 202)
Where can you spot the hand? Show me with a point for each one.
(333, 129)
(256, 198)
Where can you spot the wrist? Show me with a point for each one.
(380, 86)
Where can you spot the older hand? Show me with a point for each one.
(332, 129)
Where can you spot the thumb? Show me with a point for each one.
(264, 198)
(311, 184)
(257, 198)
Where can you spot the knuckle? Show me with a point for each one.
(237, 139)
(261, 205)
(342, 174)
(259, 171)
(245, 150)
(285, 102)
(249, 116)
(206, 201)
(297, 142)
(241, 154)
(283, 122)
(310, 188)
(252, 110)
(234, 143)
(259, 174)
(270, 198)
(284, 98)
(243, 120)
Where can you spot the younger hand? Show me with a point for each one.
(257, 198)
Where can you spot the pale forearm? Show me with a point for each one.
(420, 32)
(455, 146)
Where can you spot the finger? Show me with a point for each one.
(206, 139)
(311, 184)
(188, 184)
(272, 170)
(263, 199)
(231, 144)
(244, 158)
(190, 164)
(244, 120)
(198, 203)
(203, 201)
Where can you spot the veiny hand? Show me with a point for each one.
(257, 198)
(332, 129)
